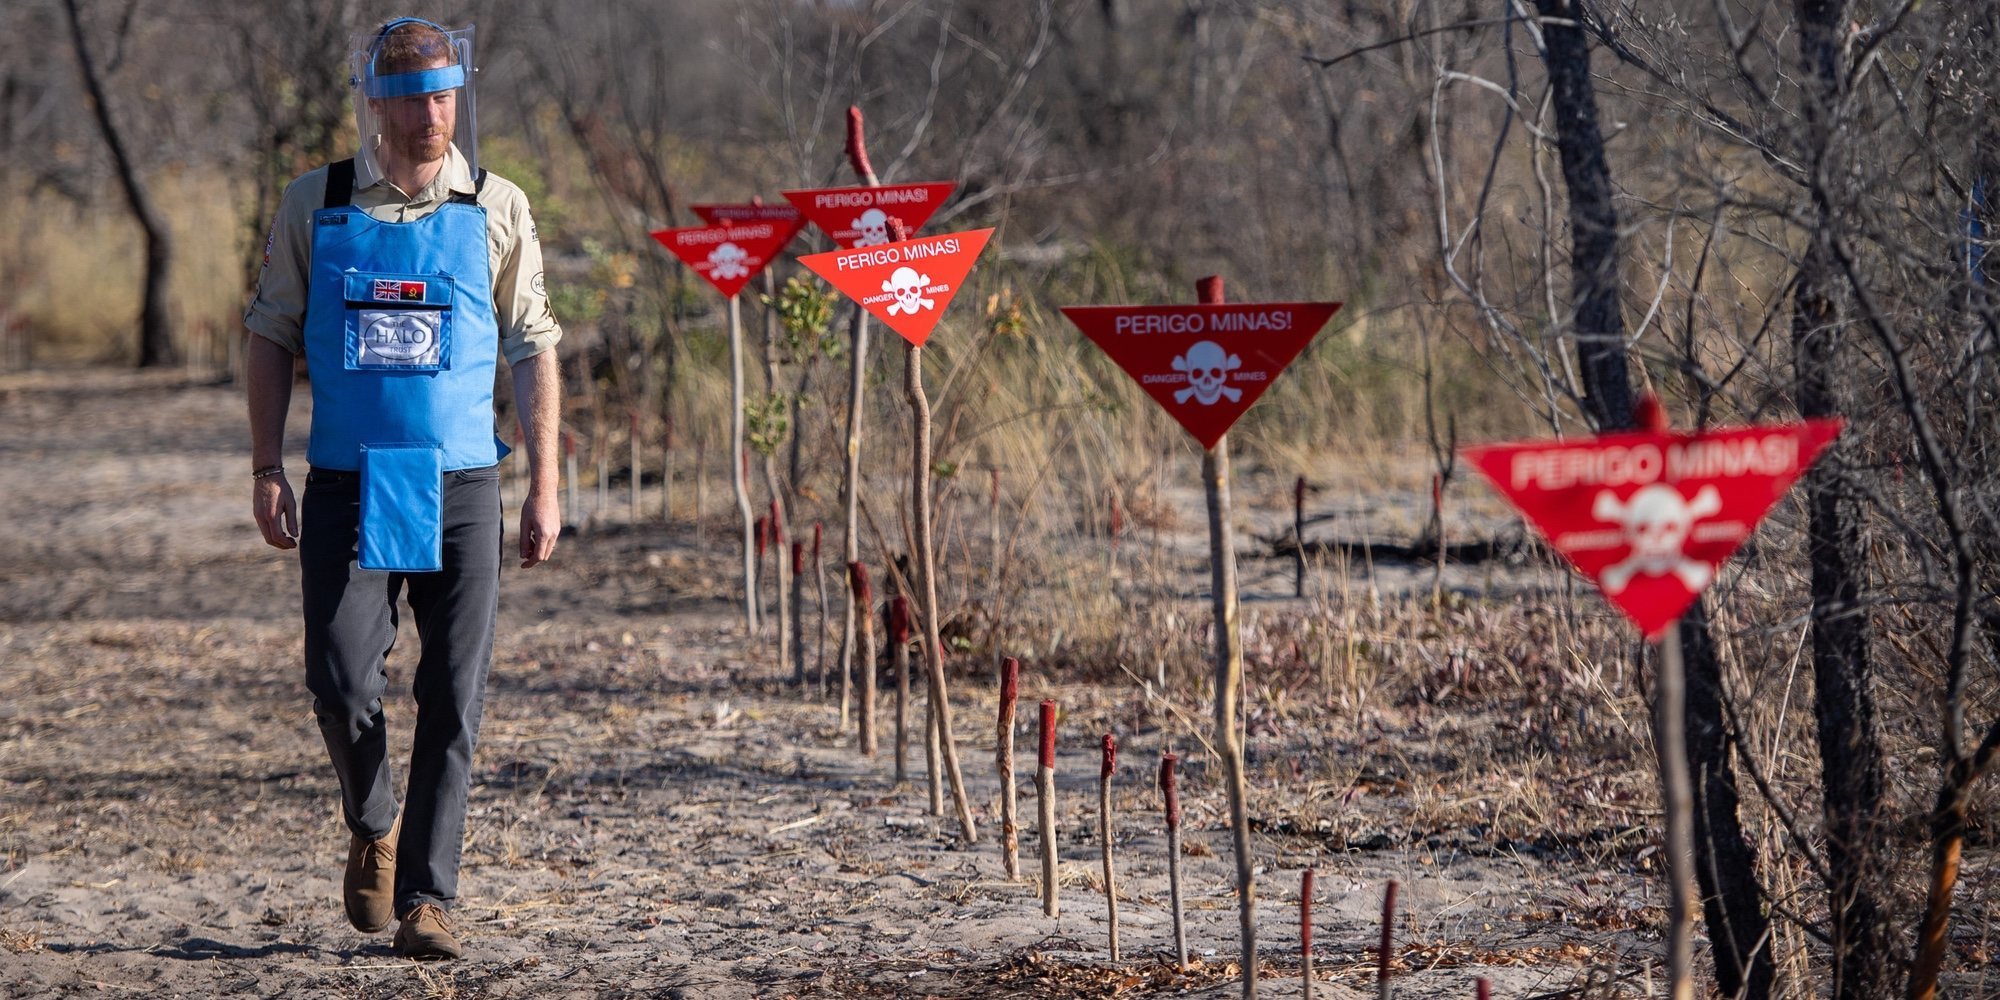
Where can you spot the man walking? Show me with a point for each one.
(401, 274)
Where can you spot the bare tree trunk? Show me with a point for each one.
(1593, 219)
(1843, 703)
(156, 332)
(1725, 867)
(1738, 930)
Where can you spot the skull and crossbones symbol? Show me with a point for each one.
(1207, 367)
(873, 226)
(1656, 522)
(726, 262)
(908, 288)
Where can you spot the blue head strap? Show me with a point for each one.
(419, 82)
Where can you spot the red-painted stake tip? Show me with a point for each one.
(1010, 681)
(798, 558)
(1209, 290)
(1170, 788)
(1485, 989)
(818, 530)
(857, 578)
(1110, 756)
(1048, 755)
(857, 146)
(899, 618)
(1650, 415)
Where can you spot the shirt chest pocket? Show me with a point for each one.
(398, 322)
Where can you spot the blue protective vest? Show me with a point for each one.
(401, 338)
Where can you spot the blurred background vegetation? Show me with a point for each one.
(1122, 148)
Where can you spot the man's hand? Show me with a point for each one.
(277, 514)
(541, 524)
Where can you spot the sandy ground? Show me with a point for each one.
(655, 813)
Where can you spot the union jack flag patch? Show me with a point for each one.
(392, 290)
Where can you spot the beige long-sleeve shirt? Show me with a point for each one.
(520, 299)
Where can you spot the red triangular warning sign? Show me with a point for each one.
(739, 213)
(1651, 516)
(728, 256)
(1204, 364)
(861, 216)
(906, 285)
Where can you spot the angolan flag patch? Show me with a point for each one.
(392, 290)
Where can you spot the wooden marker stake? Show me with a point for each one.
(738, 475)
(763, 543)
(798, 614)
(781, 581)
(1003, 763)
(866, 623)
(899, 653)
(1306, 930)
(1484, 989)
(926, 566)
(857, 385)
(1229, 673)
(819, 584)
(1170, 790)
(933, 772)
(859, 595)
(1383, 954)
(1677, 789)
(1104, 772)
(1045, 791)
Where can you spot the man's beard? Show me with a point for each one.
(422, 148)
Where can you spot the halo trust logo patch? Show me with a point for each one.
(400, 339)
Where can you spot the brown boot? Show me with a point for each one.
(369, 890)
(423, 934)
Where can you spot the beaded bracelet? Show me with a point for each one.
(268, 471)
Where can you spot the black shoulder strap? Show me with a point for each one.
(339, 183)
(478, 185)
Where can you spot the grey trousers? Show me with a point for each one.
(350, 626)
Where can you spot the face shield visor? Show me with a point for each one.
(412, 83)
